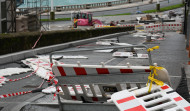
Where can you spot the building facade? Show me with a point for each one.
(3, 16)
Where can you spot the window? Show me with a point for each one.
(89, 18)
(3, 10)
(84, 16)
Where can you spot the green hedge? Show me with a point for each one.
(23, 41)
(165, 8)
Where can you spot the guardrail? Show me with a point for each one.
(81, 6)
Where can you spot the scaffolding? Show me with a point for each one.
(11, 16)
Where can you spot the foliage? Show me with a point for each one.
(165, 8)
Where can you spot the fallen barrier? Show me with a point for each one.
(160, 98)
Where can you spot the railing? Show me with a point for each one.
(82, 6)
(89, 6)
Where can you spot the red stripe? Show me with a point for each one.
(102, 70)
(16, 93)
(20, 93)
(187, 108)
(178, 99)
(164, 87)
(74, 97)
(147, 70)
(80, 71)
(126, 70)
(61, 70)
(13, 94)
(138, 108)
(9, 94)
(125, 99)
(5, 96)
(94, 98)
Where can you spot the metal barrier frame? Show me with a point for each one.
(104, 48)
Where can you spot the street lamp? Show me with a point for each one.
(185, 18)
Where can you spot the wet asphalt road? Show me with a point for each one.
(131, 10)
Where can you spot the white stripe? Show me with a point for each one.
(56, 71)
(109, 60)
(91, 71)
(69, 71)
(112, 71)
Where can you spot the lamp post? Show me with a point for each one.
(185, 18)
(52, 13)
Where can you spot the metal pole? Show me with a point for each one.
(52, 6)
(59, 100)
(158, 2)
(185, 17)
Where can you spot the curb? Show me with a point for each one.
(19, 106)
(9, 58)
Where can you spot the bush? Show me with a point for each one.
(165, 8)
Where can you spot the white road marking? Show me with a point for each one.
(109, 60)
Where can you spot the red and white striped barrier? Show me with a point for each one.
(21, 78)
(120, 25)
(41, 65)
(2, 80)
(163, 27)
(127, 25)
(75, 70)
(101, 26)
(14, 94)
(160, 98)
(12, 71)
(42, 72)
(50, 90)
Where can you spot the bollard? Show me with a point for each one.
(103, 64)
(78, 62)
(52, 15)
(158, 7)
